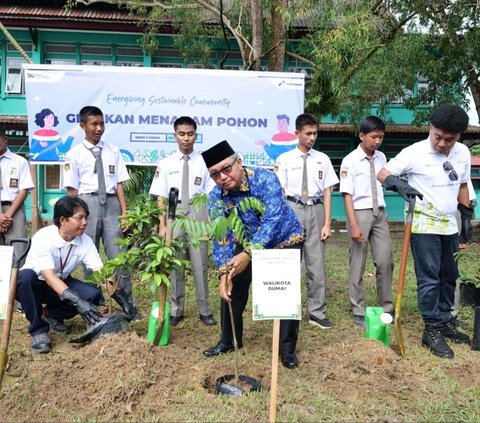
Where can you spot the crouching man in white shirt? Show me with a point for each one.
(45, 278)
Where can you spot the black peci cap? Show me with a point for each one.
(217, 153)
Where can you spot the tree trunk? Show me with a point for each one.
(277, 39)
(257, 32)
(475, 89)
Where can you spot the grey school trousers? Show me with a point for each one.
(312, 219)
(103, 223)
(198, 256)
(377, 234)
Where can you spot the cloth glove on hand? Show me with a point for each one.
(466, 213)
(406, 191)
(87, 310)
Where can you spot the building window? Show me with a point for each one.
(96, 63)
(167, 65)
(52, 177)
(96, 50)
(129, 64)
(60, 48)
(60, 61)
(60, 54)
(26, 47)
(14, 75)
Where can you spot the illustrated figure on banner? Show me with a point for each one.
(47, 144)
(282, 141)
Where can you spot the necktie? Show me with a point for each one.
(185, 199)
(373, 182)
(102, 191)
(304, 196)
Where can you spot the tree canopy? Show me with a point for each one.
(361, 52)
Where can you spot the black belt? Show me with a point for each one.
(6, 203)
(95, 194)
(312, 202)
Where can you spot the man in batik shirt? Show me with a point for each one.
(277, 227)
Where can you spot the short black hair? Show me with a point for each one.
(184, 120)
(371, 123)
(66, 207)
(89, 111)
(305, 119)
(449, 118)
(3, 130)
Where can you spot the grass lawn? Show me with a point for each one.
(342, 376)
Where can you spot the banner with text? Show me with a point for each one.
(276, 291)
(254, 111)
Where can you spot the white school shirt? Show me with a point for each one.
(49, 250)
(16, 176)
(423, 167)
(169, 174)
(320, 173)
(79, 168)
(355, 178)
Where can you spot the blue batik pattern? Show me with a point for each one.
(278, 227)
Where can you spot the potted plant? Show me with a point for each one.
(149, 258)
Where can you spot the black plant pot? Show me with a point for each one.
(224, 388)
(469, 294)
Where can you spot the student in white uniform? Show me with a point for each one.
(15, 183)
(186, 170)
(367, 222)
(46, 276)
(307, 177)
(437, 170)
(95, 171)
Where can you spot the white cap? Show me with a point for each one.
(386, 318)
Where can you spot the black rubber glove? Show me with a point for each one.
(87, 310)
(127, 305)
(406, 191)
(466, 213)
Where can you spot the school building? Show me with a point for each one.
(106, 36)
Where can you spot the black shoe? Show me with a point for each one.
(359, 321)
(41, 343)
(57, 325)
(175, 320)
(220, 348)
(290, 361)
(208, 320)
(321, 323)
(434, 340)
(459, 323)
(450, 331)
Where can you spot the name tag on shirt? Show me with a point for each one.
(320, 174)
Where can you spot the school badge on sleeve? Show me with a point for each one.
(66, 166)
